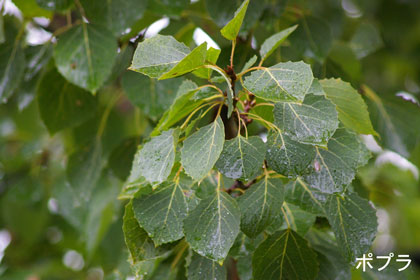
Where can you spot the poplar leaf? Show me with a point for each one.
(85, 54)
(335, 167)
(260, 205)
(273, 42)
(61, 104)
(352, 110)
(202, 149)
(158, 55)
(139, 244)
(211, 56)
(288, 81)
(287, 156)
(192, 61)
(211, 228)
(155, 159)
(241, 158)
(284, 255)
(312, 122)
(161, 212)
(12, 59)
(354, 223)
(231, 29)
(202, 268)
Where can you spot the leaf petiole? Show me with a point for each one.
(193, 112)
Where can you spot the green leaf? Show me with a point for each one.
(152, 96)
(260, 205)
(161, 212)
(306, 197)
(365, 40)
(191, 62)
(2, 36)
(332, 265)
(202, 149)
(333, 169)
(344, 62)
(250, 63)
(156, 158)
(37, 59)
(242, 158)
(231, 30)
(211, 228)
(316, 88)
(85, 54)
(312, 122)
(244, 267)
(101, 209)
(54, 5)
(211, 56)
(158, 55)
(121, 63)
(207, 187)
(30, 8)
(116, 15)
(201, 268)
(61, 104)
(168, 7)
(230, 94)
(313, 38)
(221, 11)
(181, 106)
(12, 59)
(132, 187)
(121, 157)
(352, 110)
(284, 255)
(274, 41)
(286, 156)
(21, 210)
(204, 92)
(299, 220)
(390, 115)
(287, 81)
(354, 223)
(139, 244)
(84, 169)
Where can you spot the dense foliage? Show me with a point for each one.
(156, 156)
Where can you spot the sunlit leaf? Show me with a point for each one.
(157, 55)
(231, 30)
(352, 110)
